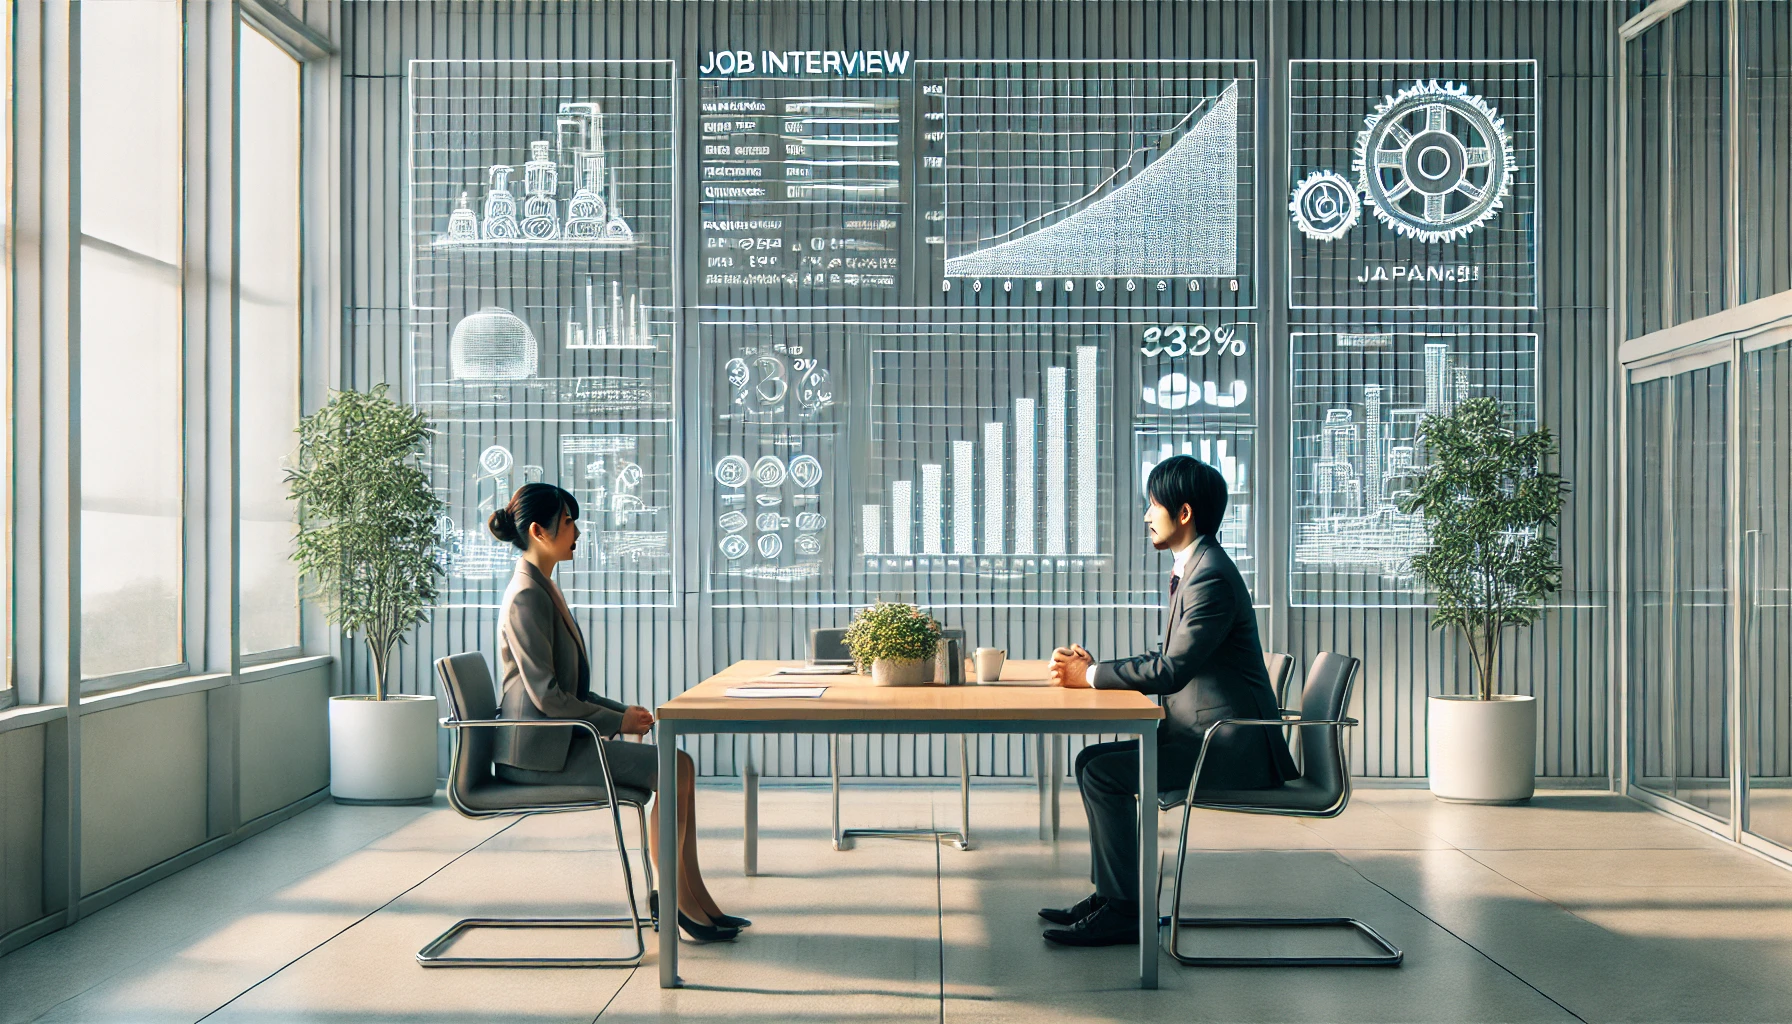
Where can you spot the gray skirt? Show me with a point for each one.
(633, 766)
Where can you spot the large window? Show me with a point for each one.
(268, 324)
(6, 65)
(130, 336)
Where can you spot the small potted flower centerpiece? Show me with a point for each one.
(898, 641)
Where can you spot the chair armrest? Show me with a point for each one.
(494, 723)
(597, 738)
(1288, 718)
(1292, 720)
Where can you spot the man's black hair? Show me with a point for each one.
(1185, 480)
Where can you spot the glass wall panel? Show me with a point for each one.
(1649, 585)
(1701, 604)
(130, 336)
(1767, 590)
(6, 64)
(1645, 169)
(268, 324)
(1700, 176)
(1765, 140)
(1679, 590)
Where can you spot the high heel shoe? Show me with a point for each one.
(729, 921)
(704, 932)
(697, 932)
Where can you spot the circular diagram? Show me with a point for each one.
(1433, 162)
(731, 471)
(808, 544)
(770, 544)
(738, 374)
(805, 470)
(773, 385)
(733, 546)
(496, 459)
(769, 471)
(1325, 205)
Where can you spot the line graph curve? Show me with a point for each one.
(1178, 217)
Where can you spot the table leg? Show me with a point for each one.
(834, 774)
(1056, 744)
(749, 781)
(964, 790)
(1148, 858)
(1044, 772)
(668, 875)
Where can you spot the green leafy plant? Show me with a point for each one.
(368, 545)
(1491, 503)
(898, 632)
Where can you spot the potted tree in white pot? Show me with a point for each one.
(1491, 503)
(369, 550)
(897, 641)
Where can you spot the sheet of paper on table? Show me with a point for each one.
(815, 670)
(776, 691)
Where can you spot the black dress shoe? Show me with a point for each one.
(729, 921)
(720, 929)
(705, 932)
(1071, 915)
(1111, 924)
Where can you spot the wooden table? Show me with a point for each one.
(852, 705)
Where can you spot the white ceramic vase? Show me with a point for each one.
(1482, 751)
(383, 751)
(901, 672)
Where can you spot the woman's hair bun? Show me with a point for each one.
(503, 526)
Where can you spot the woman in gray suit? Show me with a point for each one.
(546, 673)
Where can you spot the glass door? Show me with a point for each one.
(1678, 582)
(1766, 582)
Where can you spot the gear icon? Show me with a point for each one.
(1325, 205)
(1433, 162)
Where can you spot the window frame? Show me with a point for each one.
(254, 17)
(191, 403)
(9, 684)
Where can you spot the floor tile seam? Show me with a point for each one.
(630, 976)
(345, 928)
(171, 941)
(1397, 823)
(1447, 930)
(1559, 906)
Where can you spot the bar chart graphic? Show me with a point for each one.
(1358, 402)
(1229, 448)
(988, 459)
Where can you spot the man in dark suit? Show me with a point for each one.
(1209, 667)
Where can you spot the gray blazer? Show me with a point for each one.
(1210, 667)
(545, 673)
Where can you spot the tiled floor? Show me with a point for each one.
(1580, 906)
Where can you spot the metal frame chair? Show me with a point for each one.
(1325, 794)
(828, 643)
(472, 716)
(1281, 669)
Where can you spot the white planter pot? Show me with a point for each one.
(382, 751)
(1482, 751)
(893, 672)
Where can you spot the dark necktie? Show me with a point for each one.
(1175, 581)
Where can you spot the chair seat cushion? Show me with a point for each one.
(1300, 796)
(495, 795)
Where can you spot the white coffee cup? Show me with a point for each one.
(989, 663)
